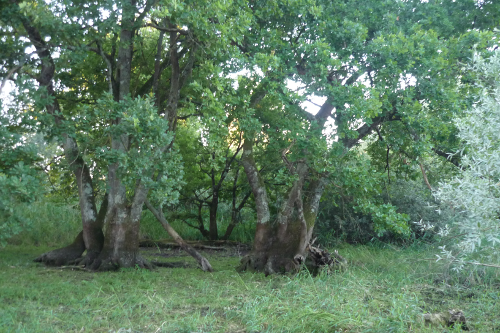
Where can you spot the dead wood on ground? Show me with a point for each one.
(320, 259)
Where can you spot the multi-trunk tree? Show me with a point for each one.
(108, 86)
(379, 66)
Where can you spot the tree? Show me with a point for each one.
(378, 66)
(474, 193)
(20, 179)
(212, 156)
(94, 97)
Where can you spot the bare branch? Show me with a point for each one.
(189, 115)
(202, 261)
(148, 6)
(425, 175)
(170, 29)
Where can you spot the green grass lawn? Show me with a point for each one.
(383, 290)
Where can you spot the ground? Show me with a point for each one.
(384, 290)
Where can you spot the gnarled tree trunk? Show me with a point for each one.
(281, 245)
(120, 246)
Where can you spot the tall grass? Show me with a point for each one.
(52, 224)
(48, 224)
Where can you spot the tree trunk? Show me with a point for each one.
(213, 206)
(91, 237)
(280, 245)
(64, 255)
(235, 211)
(121, 245)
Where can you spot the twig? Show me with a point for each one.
(480, 264)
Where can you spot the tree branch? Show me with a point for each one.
(170, 29)
(202, 261)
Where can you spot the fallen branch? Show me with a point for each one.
(202, 261)
(171, 245)
(170, 264)
(322, 258)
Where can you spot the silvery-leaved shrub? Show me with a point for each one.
(475, 192)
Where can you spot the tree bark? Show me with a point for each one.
(282, 243)
(121, 245)
(213, 206)
(64, 255)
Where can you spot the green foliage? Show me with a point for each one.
(45, 217)
(394, 68)
(19, 184)
(414, 198)
(354, 208)
(146, 158)
(474, 192)
(244, 232)
(20, 181)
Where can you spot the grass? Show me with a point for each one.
(384, 290)
(42, 219)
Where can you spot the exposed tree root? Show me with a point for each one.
(278, 264)
(252, 262)
(269, 264)
(113, 264)
(66, 255)
(316, 260)
(87, 260)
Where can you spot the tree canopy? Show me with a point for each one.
(156, 102)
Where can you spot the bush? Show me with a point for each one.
(475, 193)
(343, 223)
